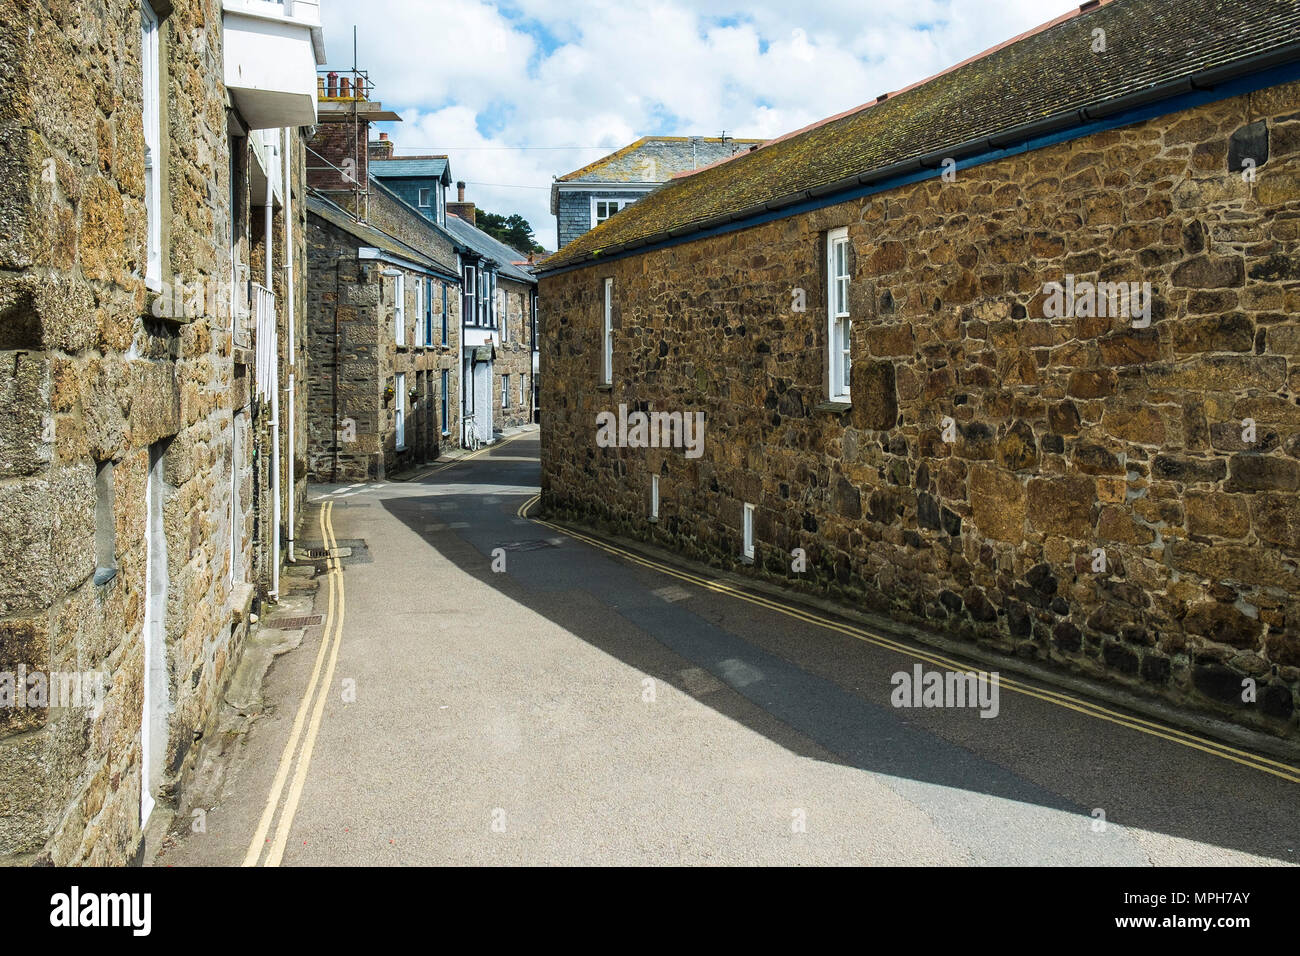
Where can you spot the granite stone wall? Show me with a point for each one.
(92, 381)
(514, 355)
(1117, 498)
(354, 358)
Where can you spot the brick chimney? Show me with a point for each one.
(338, 158)
(462, 208)
(381, 148)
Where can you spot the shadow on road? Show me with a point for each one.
(813, 691)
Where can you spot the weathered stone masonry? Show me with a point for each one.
(1071, 434)
(90, 381)
(355, 359)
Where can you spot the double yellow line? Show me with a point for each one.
(317, 689)
(1077, 704)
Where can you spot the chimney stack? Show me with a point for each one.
(381, 148)
(462, 208)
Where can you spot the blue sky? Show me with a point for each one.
(518, 92)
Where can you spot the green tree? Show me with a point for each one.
(513, 230)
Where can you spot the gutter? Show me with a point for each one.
(370, 252)
(1222, 82)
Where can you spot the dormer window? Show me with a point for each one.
(426, 198)
(602, 209)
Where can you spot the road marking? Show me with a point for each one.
(309, 745)
(1087, 708)
(258, 843)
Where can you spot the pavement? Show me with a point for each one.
(497, 690)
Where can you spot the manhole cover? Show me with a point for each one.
(329, 553)
(287, 623)
(355, 550)
(535, 545)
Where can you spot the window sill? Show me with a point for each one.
(605, 387)
(746, 559)
(837, 407)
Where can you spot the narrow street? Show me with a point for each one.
(585, 707)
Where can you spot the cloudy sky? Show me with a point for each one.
(520, 91)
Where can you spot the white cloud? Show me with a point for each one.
(548, 73)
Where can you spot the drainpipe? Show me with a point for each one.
(275, 411)
(288, 285)
(460, 353)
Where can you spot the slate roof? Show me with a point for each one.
(1044, 77)
(421, 167)
(655, 159)
(504, 256)
(374, 237)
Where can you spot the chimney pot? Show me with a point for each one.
(460, 191)
(332, 87)
(383, 136)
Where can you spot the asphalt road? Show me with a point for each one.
(580, 707)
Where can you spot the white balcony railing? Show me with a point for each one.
(264, 329)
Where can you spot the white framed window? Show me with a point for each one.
(444, 311)
(423, 198)
(420, 317)
(399, 410)
(469, 286)
(441, 195)
(838, 326)
(602, 209)
(523, 381)
(654, 496)
(399, 308)
(484, 299)
(505, 391)
(492, 298)
(607, 336)
(505, 317)
(153, 159)
(426, 285)
(747, 530)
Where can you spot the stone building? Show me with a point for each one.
(384, 336)
(384, 303)
(1011, 354)
(150, 300)
(499, 367)
(583, 199)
